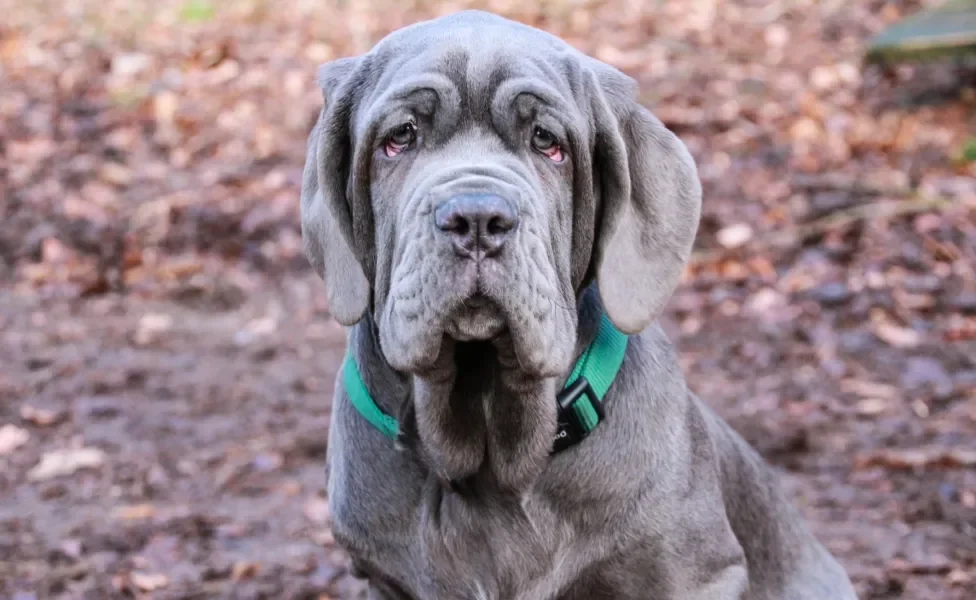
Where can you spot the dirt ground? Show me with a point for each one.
(168, 358)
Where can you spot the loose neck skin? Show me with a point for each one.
(475, 416)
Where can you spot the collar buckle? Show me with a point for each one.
(572, 426)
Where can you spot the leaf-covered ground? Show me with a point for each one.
(167, 357)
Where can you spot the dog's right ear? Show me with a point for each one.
(327, 229)
(651, 204)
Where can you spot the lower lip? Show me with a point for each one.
(476, 301)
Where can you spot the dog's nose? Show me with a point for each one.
(477, 223)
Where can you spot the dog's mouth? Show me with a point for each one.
(479, 318)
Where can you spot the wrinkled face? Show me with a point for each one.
(469, 176)
(472, 192)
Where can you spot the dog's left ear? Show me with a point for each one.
(651, 204)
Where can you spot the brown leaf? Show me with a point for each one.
(115, 174)
(805, 129)
(180, 269)
(871, 407)
(899, 337)
(53, 251)
(869, 389)
(148, 582)
(317, 510)
(892, 334)
(934, 565)
(917, 458)
(734, 236)
(165, 105)
(42, 417)
(959, 577)
(72, 548)
(150, 326)
(65, 462)
(11, 438)
(244, 570)
(135, 512)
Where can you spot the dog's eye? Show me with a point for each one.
(402, 138)
(544, 142)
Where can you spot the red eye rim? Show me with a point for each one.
(402, 138)
(544, 142)
(555, 153)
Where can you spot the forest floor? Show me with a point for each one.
(168, 358)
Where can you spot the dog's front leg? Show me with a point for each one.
(731, 583)
(704, 560)
(382, 591)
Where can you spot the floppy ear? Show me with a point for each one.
(326, 216)
(651, 203)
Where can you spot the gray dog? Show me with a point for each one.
(500, 224)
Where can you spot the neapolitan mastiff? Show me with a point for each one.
(499, 224)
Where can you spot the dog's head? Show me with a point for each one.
(471, 175)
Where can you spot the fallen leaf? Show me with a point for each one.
(53, 250)
(824, 77)
(805, 129)
(42, 417)
(129, 64)
(165, 105)
(11, 438)
(135, 512)
(317, 510)
(870, 407)
(290, 488)
(734, 236)
(244, 570)
(934, 565)
(267, 462)
(180, 269)
(777, 35)
(921, 409)
(892, 334)
(899, 337)
(65, 462)
(148, 582)
(255, 329)
(116, 174)
(71, 547)
(150, 326)
(917, 458)
(959, 577)
(869, 389)
(765, 300)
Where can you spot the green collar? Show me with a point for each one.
(579, 404)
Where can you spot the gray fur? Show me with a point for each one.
(664, 500)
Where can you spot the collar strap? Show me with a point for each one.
(579, 404)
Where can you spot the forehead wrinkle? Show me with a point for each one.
(483, 76)
(453, 65)
(553, 75)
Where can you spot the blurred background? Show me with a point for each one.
(167, 357)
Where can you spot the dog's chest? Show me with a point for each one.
(435, 545)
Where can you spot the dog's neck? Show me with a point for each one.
(477, 371)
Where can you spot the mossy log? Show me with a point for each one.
(945, 30)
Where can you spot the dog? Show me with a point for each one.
(499, 224)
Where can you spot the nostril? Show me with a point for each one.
(451, 220)
(499, 225)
